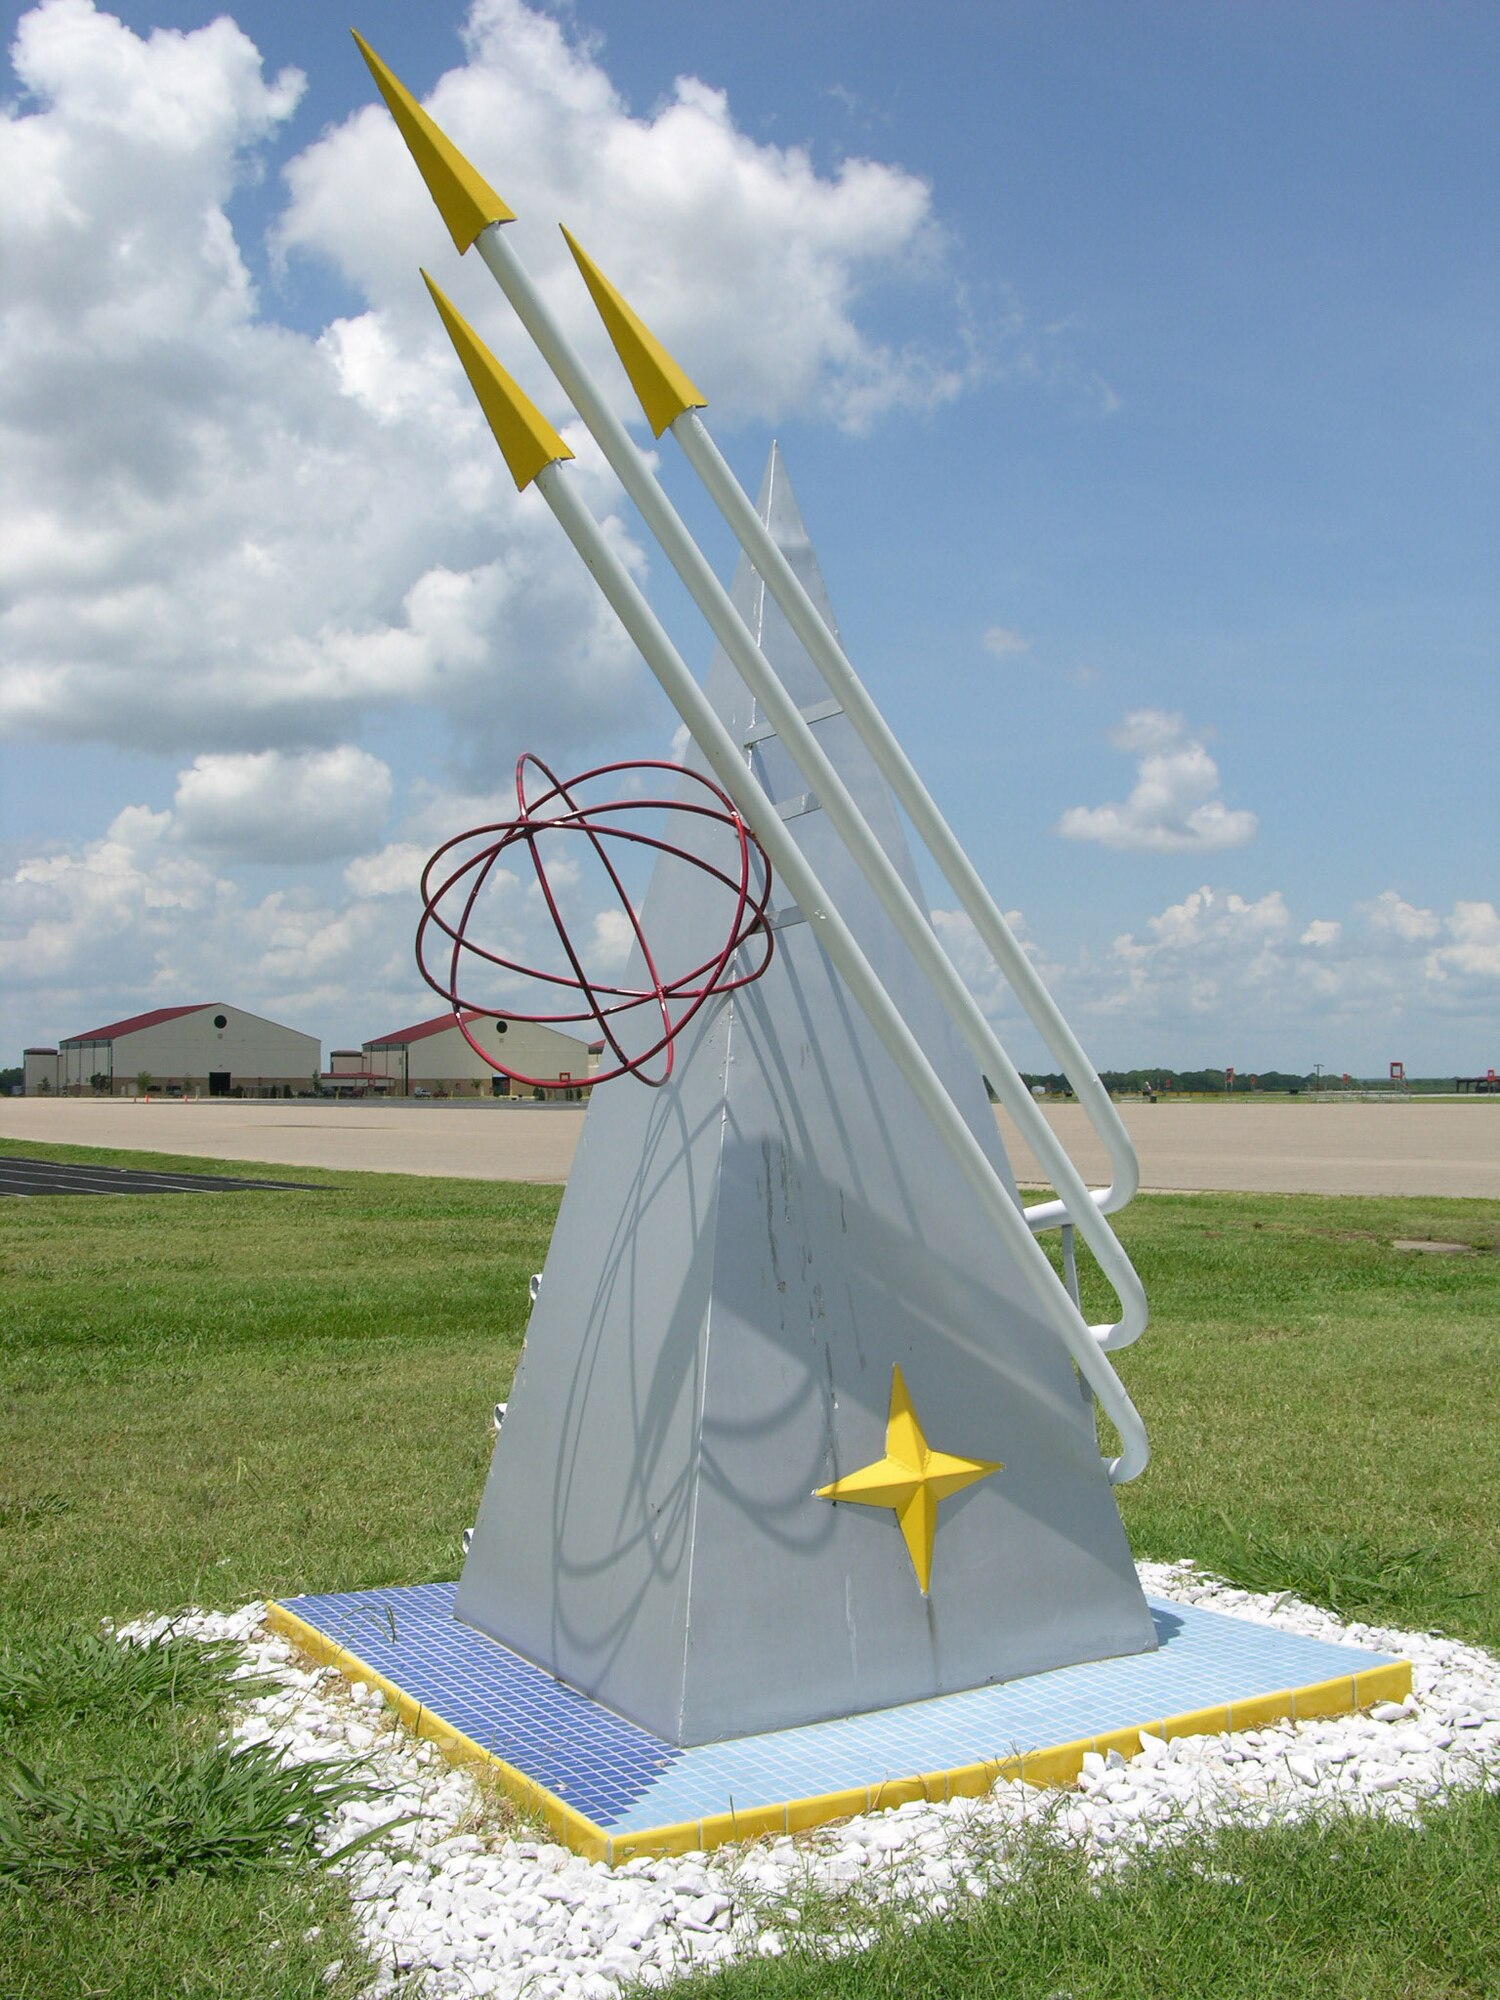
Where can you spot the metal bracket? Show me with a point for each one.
(818, 711)
(805, 802)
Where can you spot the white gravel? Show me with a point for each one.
(470, 1912)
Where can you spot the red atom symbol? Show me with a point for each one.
(452, 886)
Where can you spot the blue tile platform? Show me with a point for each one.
(610, 1789)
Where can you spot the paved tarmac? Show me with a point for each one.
(23, 1178)
(1299, 1147)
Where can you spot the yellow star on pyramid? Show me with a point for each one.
(911, 1479)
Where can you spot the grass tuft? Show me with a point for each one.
(64, 1678)
(40, 1507)
(1355, 1575)
(213, 1810)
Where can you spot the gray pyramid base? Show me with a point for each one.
(740, 1261)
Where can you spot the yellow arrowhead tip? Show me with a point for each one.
(527, 441)
(464, 198)
(662, 387)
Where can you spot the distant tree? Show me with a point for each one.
(143, 1083)
(99, 1082)
(11, 1079)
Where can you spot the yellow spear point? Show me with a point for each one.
(527, 441)
(465, 200)
(662, 387)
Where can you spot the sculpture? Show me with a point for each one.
(768, 1601)
(804, 1424)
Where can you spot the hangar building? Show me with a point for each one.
(39, 1075)
(431, 1058)
(211, 1049)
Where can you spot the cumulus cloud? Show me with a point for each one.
(394, 870)
(220, 535)
(961, 940)
(612, 941)
(1390, 912)
(1174, 804)
(1222, 976)
(741, 256)
(1473, 954)
(268, 805)
(1245, 965)
(142, 916)
(136, 919)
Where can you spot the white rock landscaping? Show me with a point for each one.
(472, 1911)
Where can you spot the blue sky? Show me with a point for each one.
(1139, 393)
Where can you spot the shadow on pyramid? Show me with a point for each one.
(748, 1265)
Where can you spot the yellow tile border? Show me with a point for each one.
(1055, 1766)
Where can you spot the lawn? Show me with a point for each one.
(211, 1398)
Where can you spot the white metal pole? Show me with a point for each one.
(726, 757)
(833, 795)
(833, 663)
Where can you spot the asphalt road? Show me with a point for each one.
(23, 1177)
(1300, 1147)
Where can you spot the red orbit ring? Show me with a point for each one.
(690, 990)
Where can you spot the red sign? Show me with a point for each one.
(1398, 1072)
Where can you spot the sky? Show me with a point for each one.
(1134, 365)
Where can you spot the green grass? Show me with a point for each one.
(208, 1809)
(138, 1854)
(204, 1400)
(1347, 1909)
(220, 1397)
(1321, 1405)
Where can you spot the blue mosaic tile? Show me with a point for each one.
(625, 1780)
(588, 1756)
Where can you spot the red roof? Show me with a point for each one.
(134, 1022)
(419, 1031)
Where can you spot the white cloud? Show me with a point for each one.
(1004, 643)
(1220, 976)
(135, 919)
(741, 256)
(613, 940)
(269, 805)
(1173, 806)
(394, 870)
(219, 535)
(1245, 966)
(1473, 956)
(140, 918)
(1389, 912)
(961, 940)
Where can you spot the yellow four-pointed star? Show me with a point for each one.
(911, 1479)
